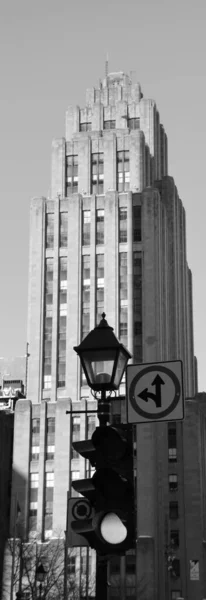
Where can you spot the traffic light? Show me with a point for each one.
(109, 526)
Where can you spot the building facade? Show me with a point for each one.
(110, 238)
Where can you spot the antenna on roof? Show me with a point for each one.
(107, 66)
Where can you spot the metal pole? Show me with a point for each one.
(101, 564)
(101, 578)
(87, 573)
(20, 565)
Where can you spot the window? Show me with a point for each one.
(33, 501)
(71, 174)
(47, 339)
(50, 479)
(172, 454)
(85, 126)
(175, 568)
(173, 510)
(75, 435)
(99, 287)
(85, 295)
(136, 223)
(86, 224)
(123, 276)
(47, 382)
(133, 123)
(122, 225)
(174, 538)
(48, 513)
(50, 452)
(63, 229)
(50, 426)
(137, 305)
(123, 325)
(35, 426)
(35, 453)
(34, 480)
(71, 565)
(173, 483)
(97, 175)
(48, 284)
(50, 438)
(175, 594)
(100, 227)
(49, 230)
(130, 564)
(63, 273)
(62, 324)
(123, 171)
(110, 124)
(172, 442)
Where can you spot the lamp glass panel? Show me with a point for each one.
(121, 364)
(99, 365)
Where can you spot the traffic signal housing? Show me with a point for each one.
(109, 526)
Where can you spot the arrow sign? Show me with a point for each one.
(155, 392)
(144, 395)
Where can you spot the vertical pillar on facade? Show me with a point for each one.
(74, 295)
(110, 161)
(72, 121)
(84, 165)
(92, 250)
(55, 316)
(190, 341)
(42, 443)
(147, 125)
(111, 258)
(137, 160)
(168, 198)
(130, 281)
(58, 168)
(36, 297)
(21, 463)
(61, 465)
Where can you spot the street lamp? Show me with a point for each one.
(40, 576)
(104, 360)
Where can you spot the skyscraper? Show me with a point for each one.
(110, 238)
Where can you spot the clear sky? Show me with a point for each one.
(50, 52)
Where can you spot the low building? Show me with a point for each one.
(42, 452)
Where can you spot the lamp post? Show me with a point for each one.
(40, 576)
(103, 359)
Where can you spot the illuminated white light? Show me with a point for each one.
(112, 529)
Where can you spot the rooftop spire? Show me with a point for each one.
(107, 65)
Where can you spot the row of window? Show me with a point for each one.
(48, 503)
(86, 226)
(132, 124)
(63, 239)
(50, 438)
(97, 173)
(63, 230)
